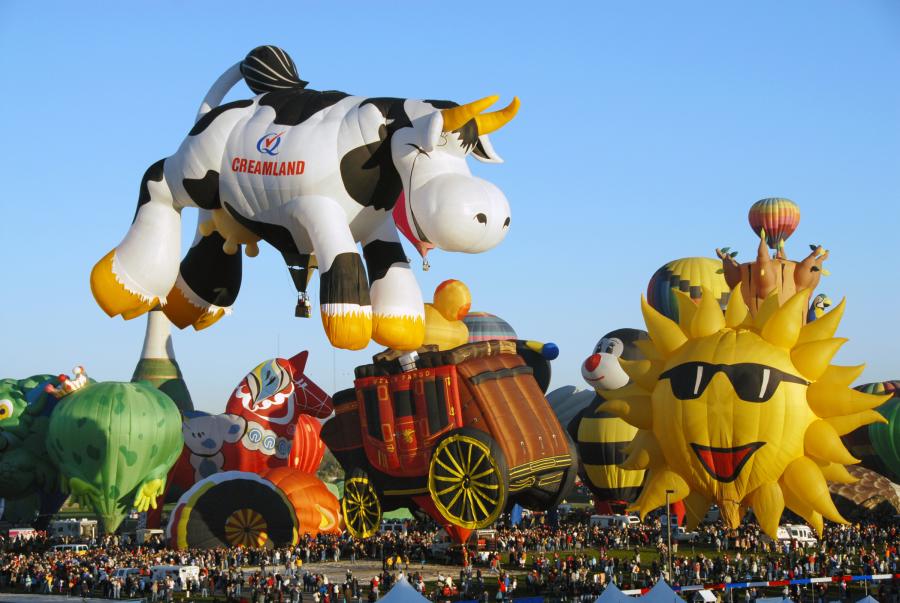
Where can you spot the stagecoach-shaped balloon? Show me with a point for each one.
(462, 434)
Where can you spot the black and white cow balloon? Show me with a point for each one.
(312, 173)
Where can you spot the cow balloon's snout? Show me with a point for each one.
(458, 212)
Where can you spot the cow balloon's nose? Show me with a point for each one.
(592, 362)
(481, 218)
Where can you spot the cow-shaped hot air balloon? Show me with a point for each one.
(311, 173)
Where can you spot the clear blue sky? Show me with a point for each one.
(646, 131)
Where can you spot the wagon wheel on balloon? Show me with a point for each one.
(360, 505)
(468, 478)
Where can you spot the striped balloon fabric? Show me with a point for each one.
(487, 327)
(269, 68)
(778, 216)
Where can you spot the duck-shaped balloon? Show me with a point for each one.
(444, 326)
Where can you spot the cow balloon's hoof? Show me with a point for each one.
(185, 309)
(112, 295)
(399, 332)
(348, 326)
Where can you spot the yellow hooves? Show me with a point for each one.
(184, 313)
(348, 326)
(399, 332)
(112, 296)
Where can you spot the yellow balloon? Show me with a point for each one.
(443, 318)
(727, 411)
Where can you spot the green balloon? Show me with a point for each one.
(886, 437)
(114, 443)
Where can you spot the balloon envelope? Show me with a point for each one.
(108, 439)
(778, 216)
(688, 275)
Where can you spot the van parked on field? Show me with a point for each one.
(187, 573)
(801, 533)
(614, 521)
(78, 549)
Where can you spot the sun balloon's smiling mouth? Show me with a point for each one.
(724, 464)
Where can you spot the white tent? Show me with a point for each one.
(661, 593)
(868, 599)
(612, 594)
(704, 595)
(403, 592)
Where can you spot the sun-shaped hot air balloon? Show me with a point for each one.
(742, 411)
(779, 217)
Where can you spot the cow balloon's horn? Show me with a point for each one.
(456, 117)
(489, 122)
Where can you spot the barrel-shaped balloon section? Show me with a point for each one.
(317, 509)
(777, 216)
(239, 508)
(686, 275)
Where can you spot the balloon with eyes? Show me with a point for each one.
(742, 409)
(600, 437)
(602, 370)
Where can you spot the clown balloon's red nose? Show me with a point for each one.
(592, 362)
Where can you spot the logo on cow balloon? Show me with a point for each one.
(269, 143)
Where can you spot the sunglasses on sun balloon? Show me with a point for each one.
(751, 382)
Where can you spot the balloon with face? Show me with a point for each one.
(602, 438)
(742, 411)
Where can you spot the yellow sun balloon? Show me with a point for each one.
(742, 411)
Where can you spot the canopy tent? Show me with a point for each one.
(403, 592)
(612, 594)
(704, 596)
(868, 599)
(661, 593)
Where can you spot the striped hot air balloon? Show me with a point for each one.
(779, 218)
(601, 441)
(688, 275)
(486, 327)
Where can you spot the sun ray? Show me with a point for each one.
(783, 328)
(801, 507)
(805, 479)
(730, 512)
(812, 358)
(666, 335)
(834, 472)
(842, 375)
(736, 312)
(686, 311)
(827, 401)
(847, 423)
(654, 493)
(641, 451)
(823, 327)
(709, 318)
(822, 441)
(766, 310)
(695, 505)
(768, 505)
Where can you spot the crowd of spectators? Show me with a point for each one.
(573, 561)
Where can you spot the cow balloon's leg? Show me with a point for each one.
(208, 281)
(343, 288)
(136, 275)
(398, 314)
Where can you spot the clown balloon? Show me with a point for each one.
(742, 411)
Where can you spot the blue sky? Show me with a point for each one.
(646, 131)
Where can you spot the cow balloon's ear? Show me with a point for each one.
(430, 131)
(484, 151)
